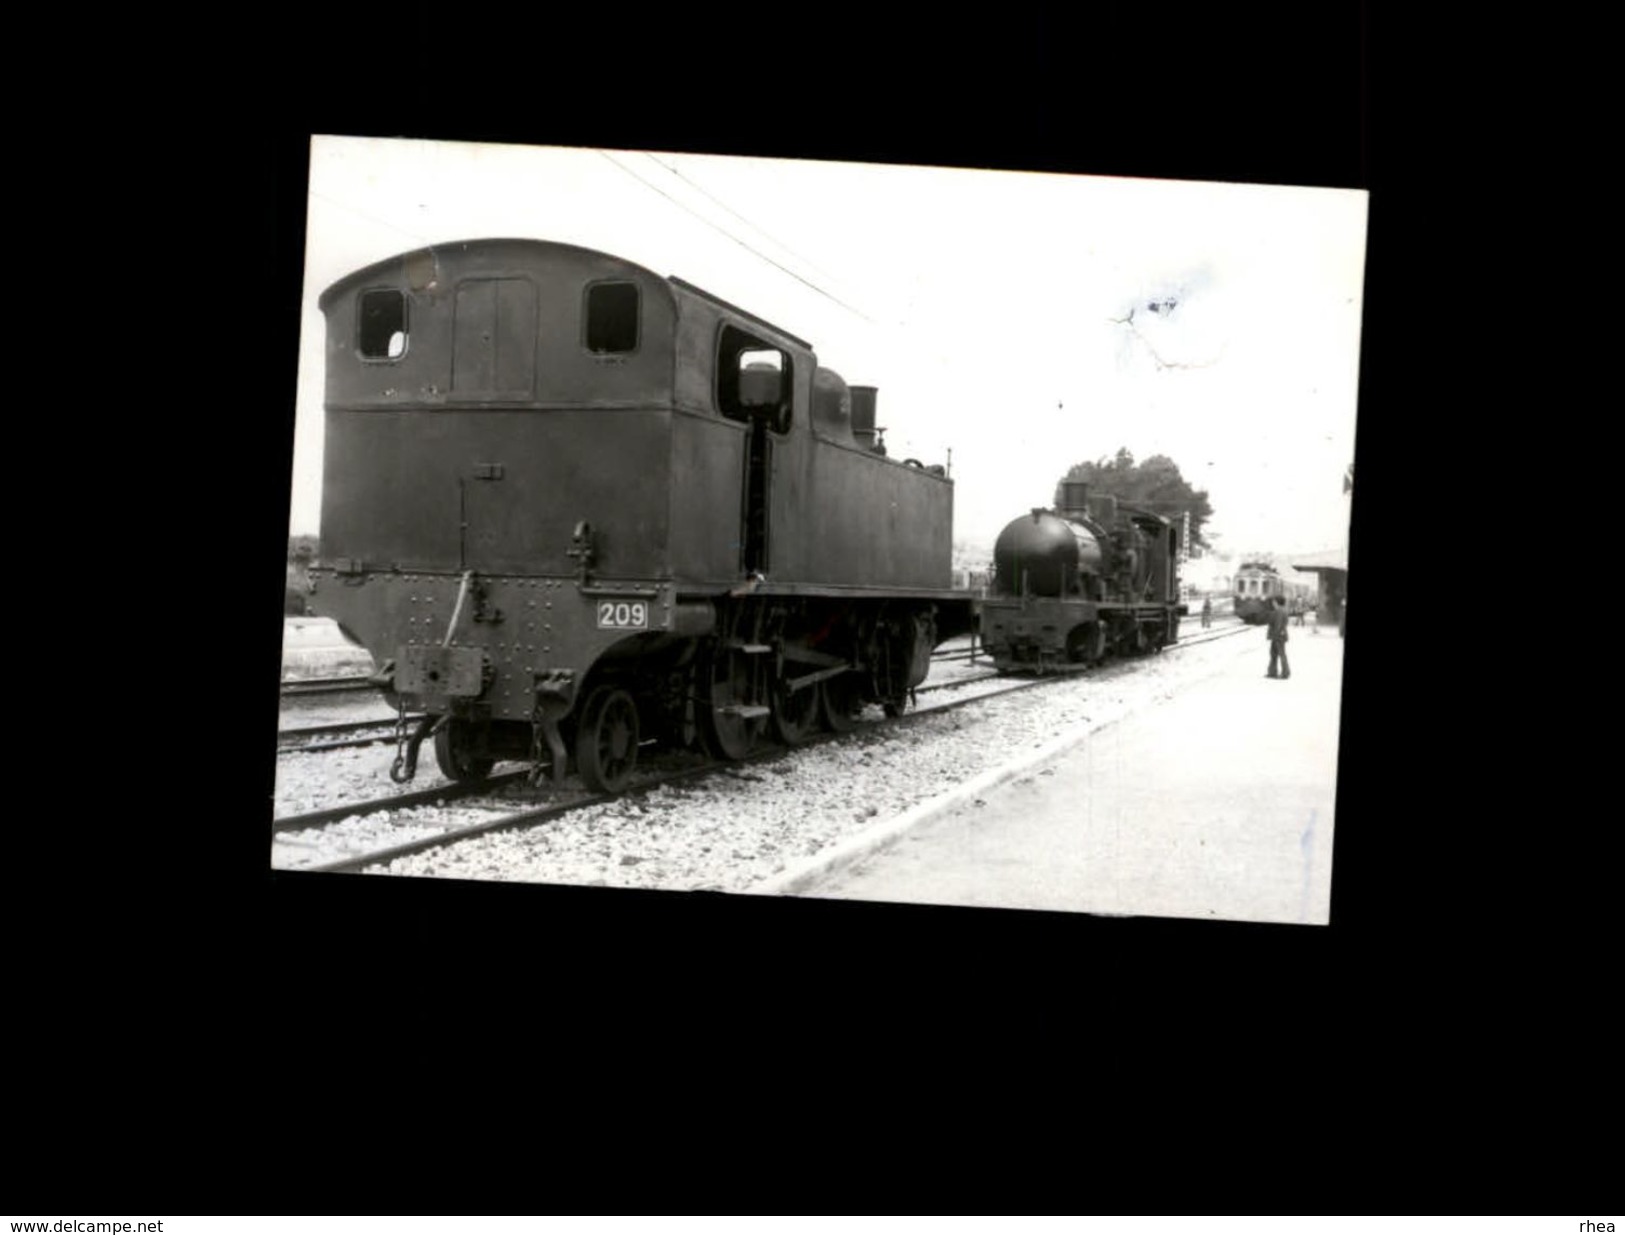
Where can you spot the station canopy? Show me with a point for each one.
(1327, 559)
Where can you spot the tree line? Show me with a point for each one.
(1155, 485)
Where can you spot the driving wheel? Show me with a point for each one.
(607, 740)
(795, 713)
(454, 751)
(840, 702)
(732, 720)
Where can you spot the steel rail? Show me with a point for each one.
(341, 727)
(450, 791)
(297, 687)
(458, 789)
(768, 754)
(524, 818)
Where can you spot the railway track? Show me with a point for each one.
(542, 814)
(325, 686)
(340, 735)
(580, 799)
(451, 791)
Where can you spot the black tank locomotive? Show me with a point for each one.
(1075, 585)
(569, 505)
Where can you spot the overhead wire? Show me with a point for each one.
(363, 214)
(701, 189)
(711, 223)
(897, 331)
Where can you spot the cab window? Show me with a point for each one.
(754, 380)
(612, 318)
(382, 324)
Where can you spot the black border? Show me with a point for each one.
(1260, 96)
(1214, 106)
(193, 945)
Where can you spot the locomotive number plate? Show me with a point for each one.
(623, 615)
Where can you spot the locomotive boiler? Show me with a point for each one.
(1075, 585)
(570, 505)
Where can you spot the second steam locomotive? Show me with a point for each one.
(1074, 585)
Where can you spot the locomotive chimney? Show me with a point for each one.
(863, 414)
(1075, 499)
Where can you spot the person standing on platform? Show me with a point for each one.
(1207, 612)
(1277, 632)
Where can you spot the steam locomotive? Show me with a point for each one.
(569, 505)
(1075, 585)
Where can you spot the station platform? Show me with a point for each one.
(1214, 804)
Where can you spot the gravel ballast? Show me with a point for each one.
(749, 824)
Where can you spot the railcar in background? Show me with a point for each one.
(1256, 586)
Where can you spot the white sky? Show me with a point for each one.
(980, 303)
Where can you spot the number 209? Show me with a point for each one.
(622, 614)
